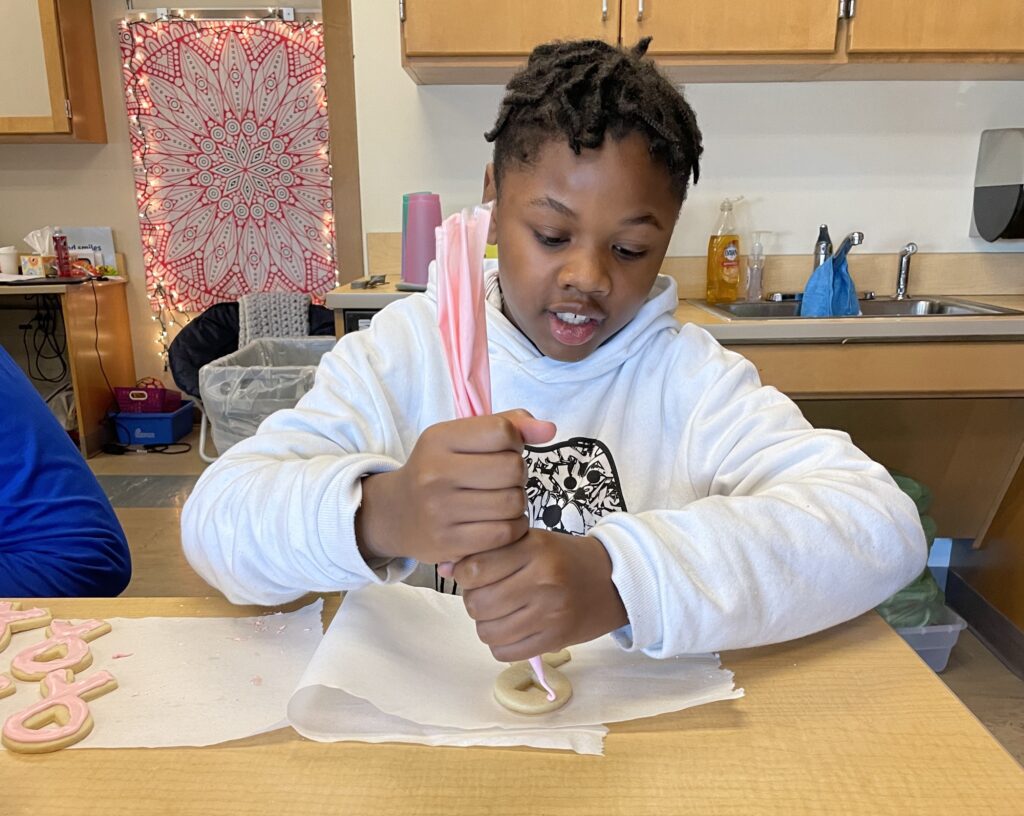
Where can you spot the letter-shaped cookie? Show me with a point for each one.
(518, 690)
(6, 686)
(15, 619)
(66, 648)
(64, 705)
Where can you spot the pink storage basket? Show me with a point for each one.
(141, 399)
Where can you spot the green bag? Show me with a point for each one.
(921, 495)
(920, 603)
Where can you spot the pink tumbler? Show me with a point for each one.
(420, 242)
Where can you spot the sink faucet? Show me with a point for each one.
(904, 275)
(850, 241)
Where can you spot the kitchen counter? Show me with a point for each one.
(731, 331)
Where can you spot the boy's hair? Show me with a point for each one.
(585, 89)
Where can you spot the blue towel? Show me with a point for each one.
(830, 291)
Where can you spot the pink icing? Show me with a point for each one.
(65, 636)
(11, 613)
(58, 693)
(538, 669)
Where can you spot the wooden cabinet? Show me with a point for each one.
(481, 42)
(735, 27)
(937, 26)
(513, 27)
(51, 84)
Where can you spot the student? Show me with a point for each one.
(59, 536)
(670, 499)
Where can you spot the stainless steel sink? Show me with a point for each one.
(876, 307)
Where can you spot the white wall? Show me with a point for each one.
(894, 159)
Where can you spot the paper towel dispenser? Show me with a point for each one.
(999, 185)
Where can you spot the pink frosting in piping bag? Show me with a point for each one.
(462, 320)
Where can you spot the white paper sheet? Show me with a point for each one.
(402, 663)
(188, 681)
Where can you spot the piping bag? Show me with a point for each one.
(462, 320)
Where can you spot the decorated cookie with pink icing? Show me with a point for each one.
(66, 648)
(61, 718)
(521, 690)
(15, 619)
(6, 685)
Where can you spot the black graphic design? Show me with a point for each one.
(570, 486)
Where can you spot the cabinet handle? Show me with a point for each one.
(604, 10)
(640, 11)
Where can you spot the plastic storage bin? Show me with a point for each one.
(243, 388)
(153, 428)
(934, 642)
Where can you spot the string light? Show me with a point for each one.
(166, 304)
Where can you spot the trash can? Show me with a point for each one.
(243, 388)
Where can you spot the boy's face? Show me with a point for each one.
(580, 241)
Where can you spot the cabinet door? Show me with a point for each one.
(922, 26)
(732, 26)
(494, 27)
(30, 51)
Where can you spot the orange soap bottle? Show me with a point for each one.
(724, 257)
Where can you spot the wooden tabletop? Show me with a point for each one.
(846, 721)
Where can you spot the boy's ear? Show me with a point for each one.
(490, 189)
(490, 194)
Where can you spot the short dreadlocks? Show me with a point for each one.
(585, 89)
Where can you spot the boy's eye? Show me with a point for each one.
(549, 240)
(629, 254)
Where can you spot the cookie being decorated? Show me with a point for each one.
(518, 689)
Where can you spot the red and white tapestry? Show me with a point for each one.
(229, 133)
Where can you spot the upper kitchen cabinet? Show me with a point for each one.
(710, 40)
(51, 88)
(484, 41)
(700, 27)
(915, 27)
(481, 41)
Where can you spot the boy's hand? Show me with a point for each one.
(462, 491)
(540, 594)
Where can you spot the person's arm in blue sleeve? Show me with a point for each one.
(58, 533)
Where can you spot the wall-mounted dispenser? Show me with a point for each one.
(999, 185)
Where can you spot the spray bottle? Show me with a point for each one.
(724, 257)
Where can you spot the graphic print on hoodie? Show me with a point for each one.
(571, 485)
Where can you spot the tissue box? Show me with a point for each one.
(36, 266)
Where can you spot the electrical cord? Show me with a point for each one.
(49, 340)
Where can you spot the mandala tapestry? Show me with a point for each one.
(229, 133)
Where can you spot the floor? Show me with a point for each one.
(149, 490)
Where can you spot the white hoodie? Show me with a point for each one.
(729, 520)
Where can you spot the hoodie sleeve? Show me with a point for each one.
(795, 529)
(273, 518)
(58, 533)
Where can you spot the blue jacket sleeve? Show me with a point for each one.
(58, 533)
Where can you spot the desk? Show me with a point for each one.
(849, 720)
(352, 305)
(86, 306)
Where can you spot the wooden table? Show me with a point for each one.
(846, 721)
(97, 327)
